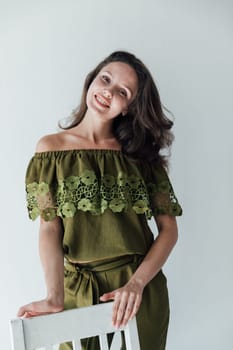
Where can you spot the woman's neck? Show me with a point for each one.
(94, 129)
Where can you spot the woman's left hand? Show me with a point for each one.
(127, 301)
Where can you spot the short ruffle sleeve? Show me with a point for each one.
(161, 193)
(41, 187)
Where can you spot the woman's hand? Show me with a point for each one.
(127, 301)
(41, 307)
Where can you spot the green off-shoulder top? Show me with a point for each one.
(103, 197)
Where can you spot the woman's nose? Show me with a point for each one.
(107, 93)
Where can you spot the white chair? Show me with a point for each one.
(71, 325)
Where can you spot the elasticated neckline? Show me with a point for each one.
(78, 151)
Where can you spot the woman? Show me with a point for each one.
(95, 184)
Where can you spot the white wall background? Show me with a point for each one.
(47, 48)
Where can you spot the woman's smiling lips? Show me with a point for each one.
(101, 100)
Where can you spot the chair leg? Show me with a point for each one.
(17, 334)
(103, 342)
(76, 344)
(131, 336)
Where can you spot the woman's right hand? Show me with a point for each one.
(41, 307)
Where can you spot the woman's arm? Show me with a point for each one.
(128, 298)
(52, 259)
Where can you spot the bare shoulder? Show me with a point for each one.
(63, 140)
(50, 142)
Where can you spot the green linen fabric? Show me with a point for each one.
(103, 198)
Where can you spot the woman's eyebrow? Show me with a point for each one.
(127, 87)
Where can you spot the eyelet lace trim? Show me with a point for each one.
(87, 193)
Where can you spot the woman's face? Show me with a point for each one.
(113, 89)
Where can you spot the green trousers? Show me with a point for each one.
(85, 283)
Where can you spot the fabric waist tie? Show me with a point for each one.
(82, 281)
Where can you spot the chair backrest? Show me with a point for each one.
(71, 325)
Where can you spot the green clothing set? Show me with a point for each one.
(105, 199)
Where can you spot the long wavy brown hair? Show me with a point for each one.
(144, 132)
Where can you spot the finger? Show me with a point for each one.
(115, 310)
(121, 309)
(21, 312)
(26, 314)
(137, 304)
(29, 310)
(129, 309)
(108, 296)
(35, 313)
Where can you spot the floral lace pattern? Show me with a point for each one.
(89, 193)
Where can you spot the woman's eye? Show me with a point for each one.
(123, 93)
(105, 78)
